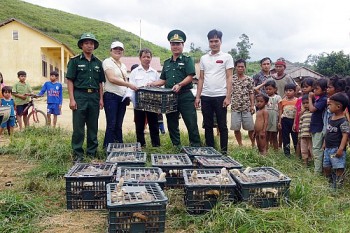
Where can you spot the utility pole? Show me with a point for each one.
(140, 34)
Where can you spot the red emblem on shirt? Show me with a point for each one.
(219, 61)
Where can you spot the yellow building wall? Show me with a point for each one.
(27, 54)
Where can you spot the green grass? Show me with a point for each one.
(312, 206)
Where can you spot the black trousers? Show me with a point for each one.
(287, 126)
(211, 105)
(152, 119)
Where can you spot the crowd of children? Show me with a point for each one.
(18, 97)
(317, 121)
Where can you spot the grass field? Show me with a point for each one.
(36, 160)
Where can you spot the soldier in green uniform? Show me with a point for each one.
(177, 73)
(84, 81)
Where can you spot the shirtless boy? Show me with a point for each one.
(261, 121)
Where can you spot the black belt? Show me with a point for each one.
(87, 90)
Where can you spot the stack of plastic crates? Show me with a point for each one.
(128, 159)
(141, 175)
(213, 162)
(136, 208)
(86, 185)
(206, 188)
(123, 147)
(261, 186)
(155, 99)
(172, 165)
(199, 151)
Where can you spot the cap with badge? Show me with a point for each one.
(176, 36)
(88, 36)
(117, 44)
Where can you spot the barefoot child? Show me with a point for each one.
(272, 109)
(336, 139)
(261, 120)
(304, 128)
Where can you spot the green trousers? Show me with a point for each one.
(87, 114)
(189, 116)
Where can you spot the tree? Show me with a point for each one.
(242, 50)
(333, 63)
(195, 53)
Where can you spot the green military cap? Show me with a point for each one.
(176, 36)
(88, 36)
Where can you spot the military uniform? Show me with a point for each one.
(86, 77)
(173, 73)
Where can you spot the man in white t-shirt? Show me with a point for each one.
(214, 89)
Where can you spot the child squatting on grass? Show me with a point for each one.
(335, 140)
(261, 121)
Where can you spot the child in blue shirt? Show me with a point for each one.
(316, 125)
(8, 101)
(54, 97)
(336, 139)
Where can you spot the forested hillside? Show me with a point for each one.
(67, 28)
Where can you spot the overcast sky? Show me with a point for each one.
(291, 29)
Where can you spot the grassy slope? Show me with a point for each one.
(68, 28)
(312, 206)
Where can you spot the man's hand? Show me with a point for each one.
(226, 102)
(73, 105)
(197, 103)
(176, 88)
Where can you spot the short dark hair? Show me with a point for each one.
(308, 82)
(306, 97)
(338, 83)
(241, 60)
(322, 83)
(6, 89)
(54, 73)
(21, 72)
(340, 98)
(271, 83)
(264, 59)
(134, 67)
(145, 50)
(265, 97)
(214, 34)
(290, 86)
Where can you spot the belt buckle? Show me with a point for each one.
(89, 90)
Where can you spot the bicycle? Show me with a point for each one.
(36, 117)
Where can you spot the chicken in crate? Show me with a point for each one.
(123, 147)
(212, 162)
(86, 185)
(172, 165)
(199, 151)
(128, 159)
(204, 188)
(135, 207)
(261, 186)
(156, 99)
(142, 175)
